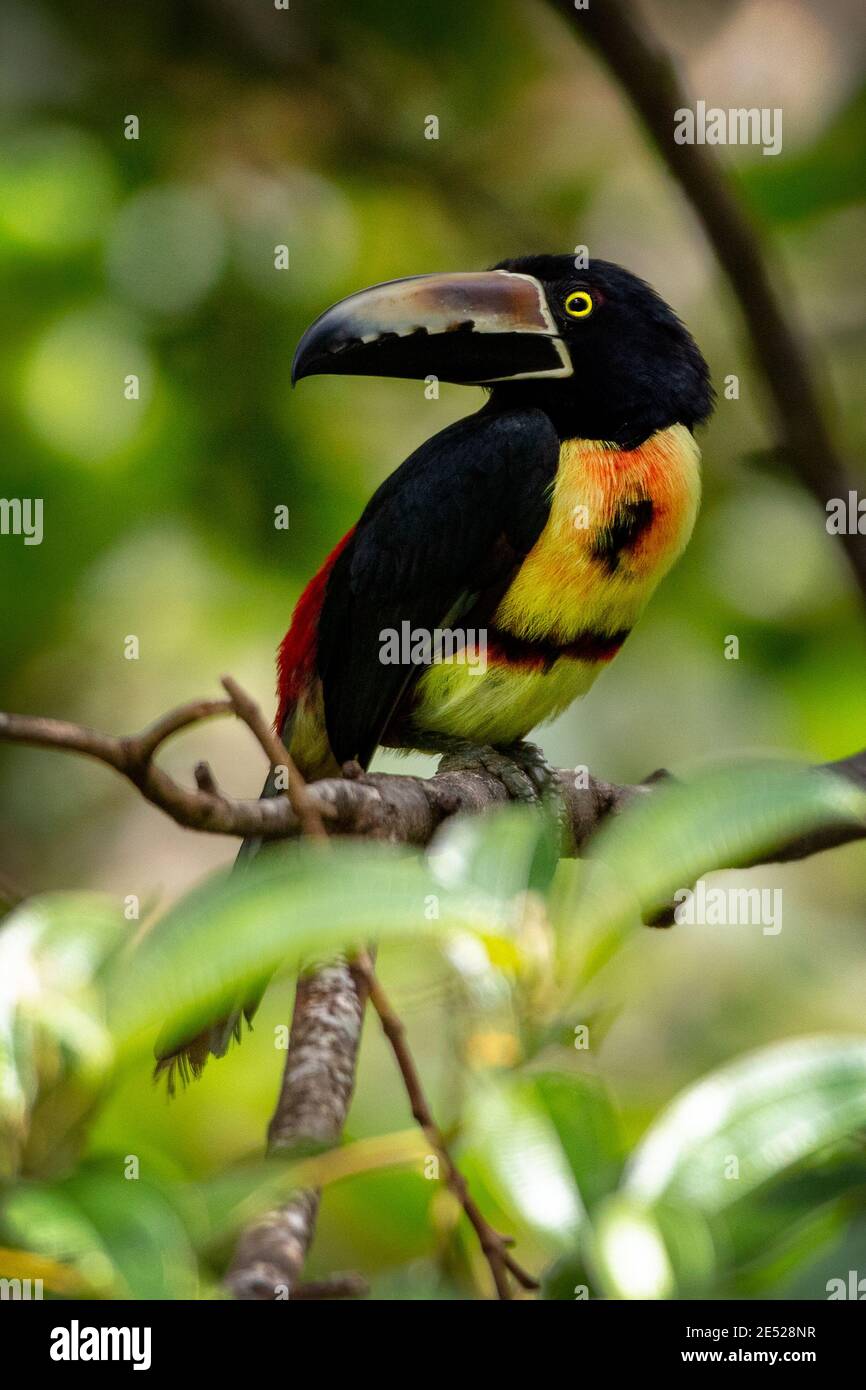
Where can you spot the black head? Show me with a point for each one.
(636, 367)
(597, 349)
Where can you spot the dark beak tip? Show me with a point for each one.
(309, 359)
(299, 367)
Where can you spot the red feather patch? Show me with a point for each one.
(296, 658)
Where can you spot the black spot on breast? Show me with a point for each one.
(630, 521)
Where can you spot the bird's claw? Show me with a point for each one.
(531, 760)
(520, 767)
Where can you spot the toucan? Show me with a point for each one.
(537, 527)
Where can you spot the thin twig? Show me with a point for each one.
(139, 749)
(494, 1245)
(133, 756)
(278, 755)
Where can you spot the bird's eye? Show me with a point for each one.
(579, 304)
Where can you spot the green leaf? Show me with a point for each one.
(124, 1236)
(53, 950)
(513, 1142)
(568, 1280)
(588, 1130)
(141, 1229)
(750, 1121)
(717, 1196)
(643, 1251)
(791, 1252)
(763, 1224)
(504, 853)
(47, 1219)
(683, 830)
(219, 943)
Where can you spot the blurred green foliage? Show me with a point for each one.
(767, 1144)
(155, 257)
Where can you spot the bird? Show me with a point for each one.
(535, 529)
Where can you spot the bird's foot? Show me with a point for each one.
(520, 767)
(532, 762)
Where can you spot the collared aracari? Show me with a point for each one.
(544, 521)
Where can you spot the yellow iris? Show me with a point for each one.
(578, 304)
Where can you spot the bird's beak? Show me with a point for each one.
(473, 328)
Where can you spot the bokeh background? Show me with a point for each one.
(155, 256)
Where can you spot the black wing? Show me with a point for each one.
(454, 521)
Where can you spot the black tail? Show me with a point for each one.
(187, 1059)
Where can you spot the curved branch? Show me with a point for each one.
(379, 806)
(649, 76)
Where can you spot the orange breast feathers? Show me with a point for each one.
(619, 518)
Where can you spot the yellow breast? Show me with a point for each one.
(578, 577)
(618, 521)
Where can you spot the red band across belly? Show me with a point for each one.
(503, 648)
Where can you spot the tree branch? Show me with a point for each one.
(649, 77)
(319, 1075)
(315, 1094)
(379, 806)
